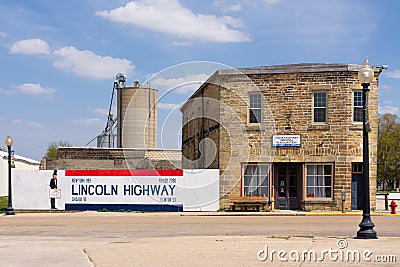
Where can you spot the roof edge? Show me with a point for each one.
(296, 68)
(284, 69)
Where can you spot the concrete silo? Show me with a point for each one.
(136, 116)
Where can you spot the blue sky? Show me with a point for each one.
(59, 58)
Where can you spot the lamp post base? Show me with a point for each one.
(10, 211)
(366, 228)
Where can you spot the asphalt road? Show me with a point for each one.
(178, 239)
(136, 225)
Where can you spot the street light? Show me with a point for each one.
(10, 210)
(365, 76)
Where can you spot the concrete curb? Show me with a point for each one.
(205, 213)
(284, 213)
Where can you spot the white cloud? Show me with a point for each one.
(99, 111)
(31, 124)
(89, 122)
(84, 63)
(234, 7)
(176, 43)
(17, 121)
(103, 111)
(30, 47)
(272, 2)
(5, 92)
(172, 18)
(29, 89)
(385, 87)
(393, 74)
(34, 89)
(388, 109)
(167, 105)
(183, 85)
(227, 8)
(87, 64)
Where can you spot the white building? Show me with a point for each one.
(21, 163)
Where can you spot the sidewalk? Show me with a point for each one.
(286, 213)
(248, 251)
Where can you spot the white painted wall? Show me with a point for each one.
(196, 190)
(394, 196)
(21, 163)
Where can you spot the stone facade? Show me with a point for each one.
(217, 133)
(113, 159)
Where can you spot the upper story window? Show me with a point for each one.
(320, 106)
(255, 105)
(357, 107)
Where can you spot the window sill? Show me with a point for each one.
(320, 201)
(319, 127)
(356, 126)
(253, 127)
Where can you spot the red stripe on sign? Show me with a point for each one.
(124, 173)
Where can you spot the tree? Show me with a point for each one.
(389, 151)
(52, 149)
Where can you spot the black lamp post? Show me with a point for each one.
(366, 75)
(10, 210)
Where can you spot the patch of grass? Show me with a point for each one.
(103, 210)
(120, 210)
(3, 204)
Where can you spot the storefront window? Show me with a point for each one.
(319, 181)
(255, 105)
(255, 180)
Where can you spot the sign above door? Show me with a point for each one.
(292, 140)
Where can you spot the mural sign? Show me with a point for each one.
(168, 190)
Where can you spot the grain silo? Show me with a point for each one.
(136, 116)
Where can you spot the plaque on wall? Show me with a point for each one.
(291, 140)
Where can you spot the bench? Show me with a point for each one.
(255, 202)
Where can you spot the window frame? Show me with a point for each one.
(259, 176)
(314, 107)
(254, 108)
(357, 168)
(323, 186)
(358, 107)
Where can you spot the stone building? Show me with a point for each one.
(290, 134)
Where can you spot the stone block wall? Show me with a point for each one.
(110, 159)
(288, 109)
(201, 129)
